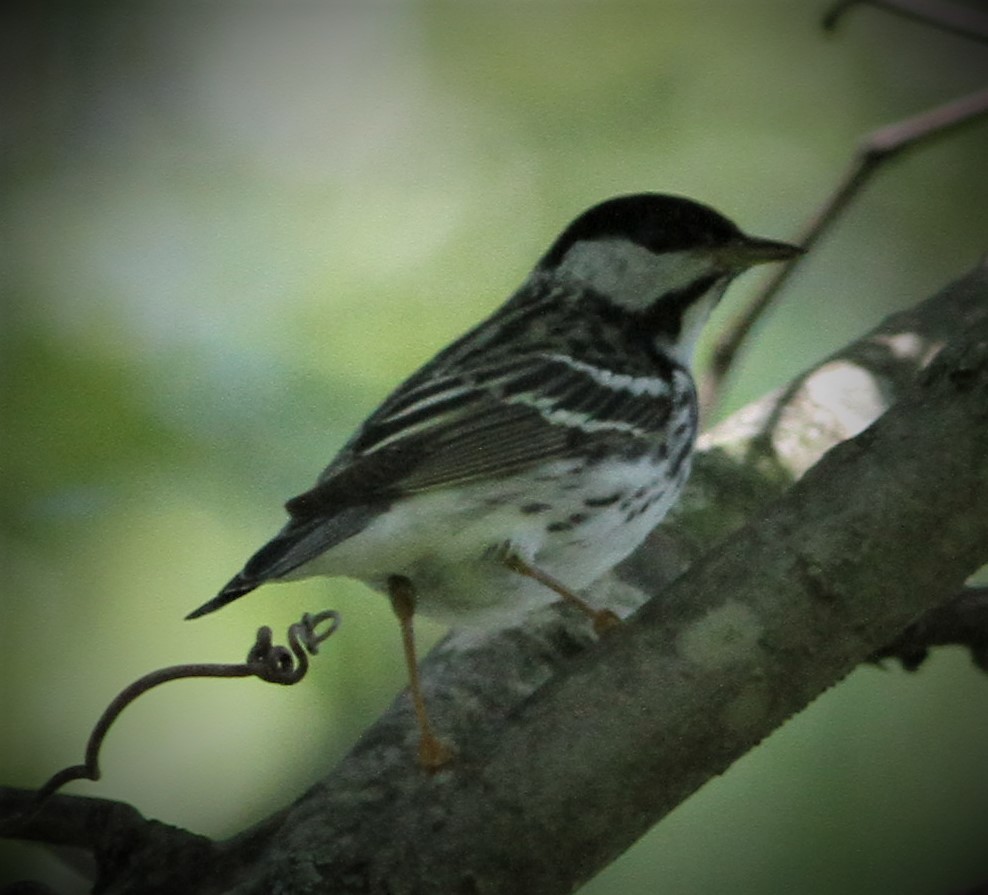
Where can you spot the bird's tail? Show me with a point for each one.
(297, 543)
(276, 558)
(235, 588)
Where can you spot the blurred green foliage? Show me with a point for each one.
(231, 228)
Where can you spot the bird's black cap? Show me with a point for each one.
(655, 221)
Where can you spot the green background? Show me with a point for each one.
(230, 228)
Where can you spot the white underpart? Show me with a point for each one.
(446, 541)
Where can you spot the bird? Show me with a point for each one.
(536, 451)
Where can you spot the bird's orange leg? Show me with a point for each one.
(433, 752)
(602, 619)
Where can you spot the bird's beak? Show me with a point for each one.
(750, 250)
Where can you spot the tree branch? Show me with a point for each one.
(570, 749)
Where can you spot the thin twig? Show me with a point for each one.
(876, 149)
(960, 20)
(267, 661)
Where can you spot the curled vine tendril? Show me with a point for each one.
(266, 660)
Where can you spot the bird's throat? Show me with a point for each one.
(675, 319)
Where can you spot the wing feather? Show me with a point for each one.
(484, 423)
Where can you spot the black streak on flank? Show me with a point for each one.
(602, 501)
(531, 508)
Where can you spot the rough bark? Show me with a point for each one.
(568, 748)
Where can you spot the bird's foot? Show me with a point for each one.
(434, 753)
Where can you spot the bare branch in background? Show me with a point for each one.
(876, 149)
(952, 17)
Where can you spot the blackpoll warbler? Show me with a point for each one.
(538, 450)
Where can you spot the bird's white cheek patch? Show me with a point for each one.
(630, 274)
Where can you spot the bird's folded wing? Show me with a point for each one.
(496, 421)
